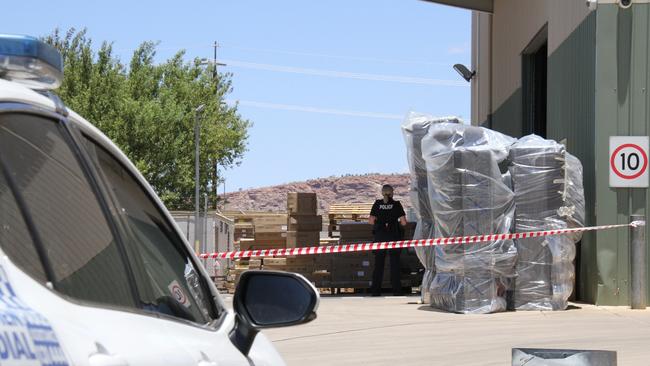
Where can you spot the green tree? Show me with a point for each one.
(147, 109)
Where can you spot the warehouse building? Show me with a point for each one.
(574, 71)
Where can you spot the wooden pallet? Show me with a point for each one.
(349, 210)
(244, 217)
(361, 287)
(329, 241)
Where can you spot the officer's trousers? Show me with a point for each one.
(378, 272)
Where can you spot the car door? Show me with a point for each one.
(165, 267)
(64, 254)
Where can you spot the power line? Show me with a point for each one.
(343, 57)
(345, 74)
(235, 46)
(298, 108)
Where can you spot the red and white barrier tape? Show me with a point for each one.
(344, 248)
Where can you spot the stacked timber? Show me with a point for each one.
(259, 230)
(240, 266)
(270, 232)
(304, 265)
(244, 230)
(348, 212)
(304, 225)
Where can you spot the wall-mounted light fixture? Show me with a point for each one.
(463, 71)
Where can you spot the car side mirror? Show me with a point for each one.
(269, 299)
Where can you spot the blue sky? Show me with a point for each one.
(325, 83)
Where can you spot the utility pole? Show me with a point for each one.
(224, 194)
(215, 76)
(216, 165)
(197, 137)
(204, 247)
(214, 72)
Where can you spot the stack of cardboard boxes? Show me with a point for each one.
(355, 269)
(355, 232)
(303, 223)
(361, 232)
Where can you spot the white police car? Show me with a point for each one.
(93, 270)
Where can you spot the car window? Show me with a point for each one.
(15, 240)
(85, 259)
(170, 283)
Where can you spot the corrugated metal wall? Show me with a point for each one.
(622, 80)
(598, 81)
(571, 28)
(570, 117)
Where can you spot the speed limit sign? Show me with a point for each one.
(628, 161)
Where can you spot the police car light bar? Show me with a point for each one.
(31, 62)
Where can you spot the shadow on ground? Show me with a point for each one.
(434, 310)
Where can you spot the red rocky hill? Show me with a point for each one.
(345, 189)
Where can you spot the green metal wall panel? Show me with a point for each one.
(570, 116)
(638, 117)
(640, 200)
(598, 81)
(621, 109)
(607, 117)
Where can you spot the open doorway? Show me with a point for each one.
(534, 80)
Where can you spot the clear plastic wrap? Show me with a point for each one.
(414, 128)
(547, 183)
(468, 196)
(469, 180)
(573, 210)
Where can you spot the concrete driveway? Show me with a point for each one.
(354, 330)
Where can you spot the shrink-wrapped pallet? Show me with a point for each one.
(468, 196)
(547, 182)
(414, 128)
(472, 181)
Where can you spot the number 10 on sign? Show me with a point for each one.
(628, 161)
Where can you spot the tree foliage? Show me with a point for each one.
(148, 110)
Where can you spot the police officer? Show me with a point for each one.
(388, 220)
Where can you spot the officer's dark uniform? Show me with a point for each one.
(387, 228)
